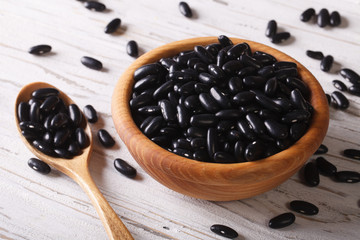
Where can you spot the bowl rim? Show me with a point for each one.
(291, 158)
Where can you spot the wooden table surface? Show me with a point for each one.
(36, 206)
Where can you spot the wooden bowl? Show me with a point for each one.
(215, 181)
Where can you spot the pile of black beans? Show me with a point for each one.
(221, 103)
(50, 126)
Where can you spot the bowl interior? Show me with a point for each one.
(157, 161)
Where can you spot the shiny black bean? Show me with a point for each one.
(245, 129)
(323, 18)
(201, 155)
(311, 174)
(339, 85)
(168, 110)
(233, 136)
(235, 51)
(34, 127)
(284, 103)
(61, 136)
(182, 143)
(192, 61)
(264, 58)
(297, 99)
(91, 114)
(350, 75)
(326, 63)
(224, 157)
(335, 19)
(43, 93)
(212, 142)
(198, 143)
(150, 110)
(325, 167)
(347, 176)
(244, 98)
(204, 55)
(47, 121)
(322, 149)
(43, 147)
(48, 138)
(96, 6)
(167, 62)
(304, 207)
(124, 168)
(239, 149)
(184, 58)
(39, 166)
(352, 153)
(297, 130)
(162, 140)
(354, 90)
(207, 78)
(214, 48)
(200, 67)
(276, 129)
(250, 61)
(49, 104)
(268, 103)
(284, 73)
(153, 126)
(169, 132)
(149, 69)
(295, 116)
(229, 114)
(183, 152)
(267, 114)
(113, 25)
(105, 138)
(185, 9)
(283, 89)
(220, 98)
(23, 112)
(91, 63)
(266, 72)
(293, 82)
(216, 71)
(340, 100)
(81, 138)
(307, 14)
(63, 153)
(254, 150)
(183, 115)
(221, 58)
(256, 123)
(284, 64)
(196, 132)
(34, 114)
(271, 28)
(75, 114)
(40, 49)
(146, 82)
(252, 108)
(283, 143)
(271, 149)
(281, 221)
(224, 41)
(192, 102)
(246, 71)
(163, 90)
(254, 81)
(59, 120)
(145, 122)
(204, 120)
(235, 84)
(280, 37)
(225, 125)
(29, 135)
(315, 54)
(187, 89)
(224, 231)
(74, 148)
(208, 102)
(202, 88)
(271, 87)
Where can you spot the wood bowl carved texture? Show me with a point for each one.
(214, 181)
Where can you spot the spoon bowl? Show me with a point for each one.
(77, 167)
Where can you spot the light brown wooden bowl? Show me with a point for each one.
(215, 181)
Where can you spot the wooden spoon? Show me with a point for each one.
(76, 168)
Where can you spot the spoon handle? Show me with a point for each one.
(113, 225)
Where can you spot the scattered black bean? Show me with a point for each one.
(90, 113)
(39, 165)
(280, 37)
(124, 168)
(224, 231)
(340, 100)
(354, 90)
(322, 149)
(307, 15)
(271, 28)
(91, 63)
(339, 85)
(96, 6)
(113, 25)
(352, 153)
(326, 63)
(350, 75)
(323, 18)
(347, 176)
(132, 49)
(40, 49)
(325, 167)
(315, 54)
(185, 9)
(311, 174)
(335, 19)
(304, 207)
(105, 138)
(281, 221)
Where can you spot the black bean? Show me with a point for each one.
(163, 90)
(49, 104)
(352, 153)
(268, 103)
(244, 98)
(256, 123)
(220, 98)
(105, 138)
(153, 126)
(266, 72)
(271, 149)
(284, 103)
(216, 71)
(233, 136)
(246, 71)
(354, 90)
(254, 81)
(32, 127)
(264, 58)
(304, 207)
(63, 153)
(183, 116)
(293, 82)
(283, 143)
(271, 87)
(29, 135)
(307, 14)
(347, 176)
(75, 114)
(224, 41)
(183, 152)
(40, 49)
(200, 67)
(323, 18)
(350, 75)
(326, 63)
(340, 100)
(91, 114)
(113, 25)
(339, 85)
(124, 168)
(284, 64)
(229, 114)
(96, 6)
(235, 85)
(315, 54)
(81, 138)
(185, 9)
(91, 63)
(245, 129)
(224, 231)
(297, 130)
(23, 111)
(145, 122)
(182, 143)
(235, 51)
(195, 132)
(167, 62)
(335, 19)
(168, 110)
(149, 69)
(208, 102)
(221, 58)
(311, 174)
(281, 221)
(239, 149)
(212, 142)
(187, 89)
(198, 143)
(61, 136)
(322, 149)
(204, 55)
(213, 48)
(224, 157)
(271, 28)
(43, 147)
(297, 100)
(48, 138)
(39, 165)
(280, 37)
(254, 150)
(47, 121)
(74, 148)
(35, 112)
(276, 129)
(162, 141)
(325, 167)
(295, 116)
(132, 48)
(284, 73)
(59, 120)
(150, 110)
(43, 93)
(201, 155)
(204, 120)
(250, 61)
